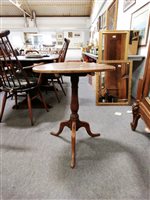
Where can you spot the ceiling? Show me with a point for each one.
(45, 8)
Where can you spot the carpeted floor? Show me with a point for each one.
(36, 165)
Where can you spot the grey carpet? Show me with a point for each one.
(36, 165)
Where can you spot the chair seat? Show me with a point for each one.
(21, 86)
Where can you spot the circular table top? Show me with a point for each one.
(72, 67)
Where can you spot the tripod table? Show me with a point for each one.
(74, 70)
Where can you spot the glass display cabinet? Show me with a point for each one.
(114, 87)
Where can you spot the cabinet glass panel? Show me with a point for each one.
(115, 86)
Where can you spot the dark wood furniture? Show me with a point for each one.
(14, 79)
(74, 70)
(58, 77)
(141, 108)
(29, 61)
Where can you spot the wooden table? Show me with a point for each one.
(74, 70)
(26, 61)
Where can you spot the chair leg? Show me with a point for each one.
(43, 100)
(3, 105)
(55, 90)
(61, 86)
(61, 79)
(30, 108)
(16, 102)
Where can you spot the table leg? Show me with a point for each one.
(61, 127)
(74, 123)
(73, 143)
(87, 128)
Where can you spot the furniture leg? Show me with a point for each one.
(55, 90)
(73, 143)
(61, 86)
(61, 79)
(61, 127)
(30, 108)
(136, 115)
(42, 100)
(16, 100)
(87, 127)
(3, 105)
(74, 123)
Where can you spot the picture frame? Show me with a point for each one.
(104, 20)
(59, 36)
(101, 24)
(140, 20)
(59, 42)
(112, 12)
(77, 35)
(70, 34)
(98, 24)
(127, 4)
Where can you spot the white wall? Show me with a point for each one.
(46, 23)
(124, 20)
(46, 26)
(99, 8)
(123, 23)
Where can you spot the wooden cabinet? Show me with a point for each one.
(141, 108)
(113, 45)
(114, 87)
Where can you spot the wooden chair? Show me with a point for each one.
(57, 78)
(141, 108)
(63, 51)
(14, 79)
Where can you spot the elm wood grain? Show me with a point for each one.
(74, 70)
(72, 67)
